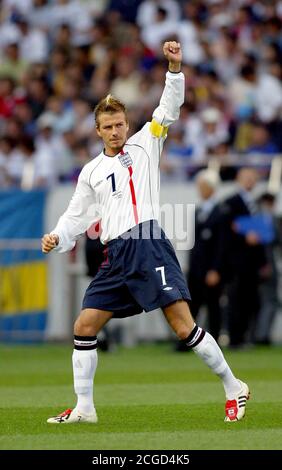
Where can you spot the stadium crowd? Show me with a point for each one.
(59, 57)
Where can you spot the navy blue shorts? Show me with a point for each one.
(140, 273)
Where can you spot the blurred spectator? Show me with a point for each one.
(49, 142)
(37, 94)
(38, 166)
(23, 113)
(12, 65)
(83, 118)
(214, 130)
(242, 92)
(81, 156)
(7, 174)
(62, 38)
(261, 142)
(7, 97)
(206, 259)
(33, 41)
(13, 128)
(268, 102)
(193, 127)
(269, 275)
(148, 12)
(22, 6)
(176, 158)
(3, 169)
(162, 27)
(245, 256)
(58, 61)
(126, 86)
(126, 8)
(61, 112)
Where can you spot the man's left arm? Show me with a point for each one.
(173, 95)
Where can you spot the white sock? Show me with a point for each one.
(209, 351)
(84, 368)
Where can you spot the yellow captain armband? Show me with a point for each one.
(157, 130)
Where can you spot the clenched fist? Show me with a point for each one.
(48, 242)
(172, 51)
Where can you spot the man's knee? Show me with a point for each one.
(83, 326)
(183, 331)
(90, 322)
(86, 323)
(180, 319)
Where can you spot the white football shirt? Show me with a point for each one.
(123, 191)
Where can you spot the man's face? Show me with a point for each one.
(247, 178)
(205, 190)
(112, 128)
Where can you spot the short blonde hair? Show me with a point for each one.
(109, 105)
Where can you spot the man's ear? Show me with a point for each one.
(127, 126)
(98, 131)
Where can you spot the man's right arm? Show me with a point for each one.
(81, 213)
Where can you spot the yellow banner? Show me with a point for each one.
(23, 288)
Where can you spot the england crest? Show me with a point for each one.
(125, 159)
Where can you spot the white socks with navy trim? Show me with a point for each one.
(84, 361)
(208, 350)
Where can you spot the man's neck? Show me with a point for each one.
(111, 152)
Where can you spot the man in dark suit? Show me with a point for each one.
(268, 290)
(206, 257)
(245, 256)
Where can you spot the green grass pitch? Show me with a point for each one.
(148, 397)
